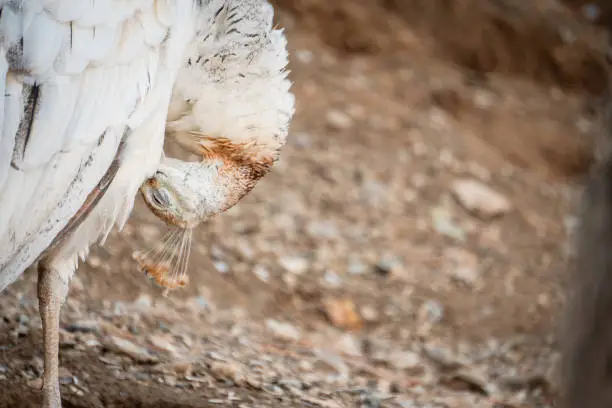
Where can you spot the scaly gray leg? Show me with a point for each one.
(52, 291)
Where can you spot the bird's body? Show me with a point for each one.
(88, 89)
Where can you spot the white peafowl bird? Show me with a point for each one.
(91, 88)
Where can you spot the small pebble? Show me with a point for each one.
(338, 120)
(356, 267)
(331, 279)
(479, 199)
(463, 265)
(350, 344)
(221, 267)
(389, 265)
(84, 326)
(143, 301)
(125, 346)
(432, 311)
(591, 11)
(441, 355)
(283, 331)
(227, 371)
(262, 273)
(443, 223)
(294, 264)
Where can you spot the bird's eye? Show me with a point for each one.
(160, 198)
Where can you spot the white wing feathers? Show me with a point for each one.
(74, 73)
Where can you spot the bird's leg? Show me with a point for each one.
(52, 291)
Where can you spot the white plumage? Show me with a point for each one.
(81, 78)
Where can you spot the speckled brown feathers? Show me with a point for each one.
(244, 155)
(245, 163)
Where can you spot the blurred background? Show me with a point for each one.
(408, 250)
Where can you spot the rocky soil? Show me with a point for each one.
(409, 250)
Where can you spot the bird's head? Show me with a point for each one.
(184, 193)
(171, 199)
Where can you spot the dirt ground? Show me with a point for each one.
(366, 270)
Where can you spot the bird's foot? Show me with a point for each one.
(52, 291)
(51, 395)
